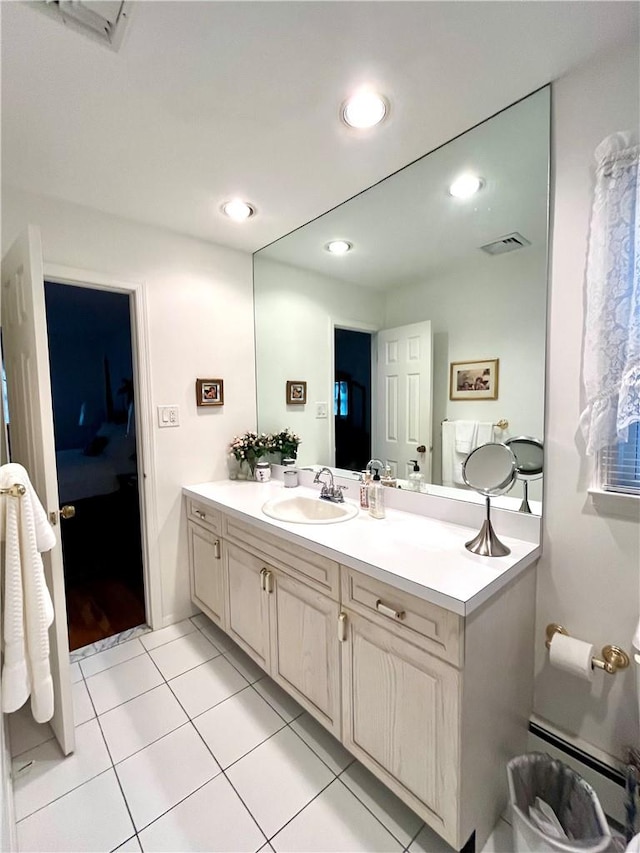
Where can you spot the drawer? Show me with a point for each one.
(426, 625)
(203, 515)
(318, 571)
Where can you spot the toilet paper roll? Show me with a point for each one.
(572, 656)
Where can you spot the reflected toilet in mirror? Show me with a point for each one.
(490, 469)
(529, 454)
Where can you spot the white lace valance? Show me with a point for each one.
(611, 355)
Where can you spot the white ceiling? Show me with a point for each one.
(407, 228)
(209, 100)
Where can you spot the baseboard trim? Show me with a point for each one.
(578, 754)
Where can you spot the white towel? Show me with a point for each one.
(466, 438)
(486, 433)
(461, 434)
(28, 610)
(451, 459)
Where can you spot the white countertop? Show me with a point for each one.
(422, 555)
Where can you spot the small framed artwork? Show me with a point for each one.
(474, 380)
(296, 393)
(209, 392)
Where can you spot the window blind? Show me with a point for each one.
(620, 465)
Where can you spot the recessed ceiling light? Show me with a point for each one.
(339, 247)
(465, 186)
(238, 210)
(364, 109)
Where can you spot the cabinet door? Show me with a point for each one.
(247, 603)
(305, 651)
(205, 570)
(401, 719)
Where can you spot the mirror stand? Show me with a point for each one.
(486, 543)
(524, 506)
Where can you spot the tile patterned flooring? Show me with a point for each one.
(183, 744)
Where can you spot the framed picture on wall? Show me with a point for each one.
(296, 392)
(209, 392)
(474, 380)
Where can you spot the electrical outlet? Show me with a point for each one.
(168, 416)
(321, 410)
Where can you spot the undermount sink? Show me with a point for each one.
(301, 510)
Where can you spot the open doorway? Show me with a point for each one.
(91, 364)
(352, 398)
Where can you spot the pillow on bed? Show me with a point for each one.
(96, 445)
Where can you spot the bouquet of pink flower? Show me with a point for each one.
(250, 447)
(286, 442)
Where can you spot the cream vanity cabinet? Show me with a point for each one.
(401, 686)
(282, 609)
(433, 703)
(205, 560)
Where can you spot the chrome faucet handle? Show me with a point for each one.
(338, 497)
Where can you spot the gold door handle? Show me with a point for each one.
(216, 549)
(342, 627)
(68, 511)
(268, 581)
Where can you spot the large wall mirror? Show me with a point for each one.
(427, 337)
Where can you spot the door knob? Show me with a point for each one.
(68, 511)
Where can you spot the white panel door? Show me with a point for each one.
(404, 393)
(32, 444)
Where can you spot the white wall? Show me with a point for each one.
(494, 307)
(294, 311)
(588, 577)
(200, 311)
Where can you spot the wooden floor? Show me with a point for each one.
(101, 608)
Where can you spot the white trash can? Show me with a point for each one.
(537, 777)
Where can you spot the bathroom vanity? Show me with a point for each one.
(416, 654)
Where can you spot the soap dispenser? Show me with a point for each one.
(376, 496)
(416, 478)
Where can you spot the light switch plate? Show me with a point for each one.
(168, 416)
(321, 410)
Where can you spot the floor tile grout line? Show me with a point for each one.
(175, 639)
(315, 752)
(18, 755)
(272, 705)
(175, 805)
(377, 817)
(248, 752)
(107, 668)
(222, 771)
(60, 796)
(370, 810)
(315, 797)
(190, 669)
(420, 828)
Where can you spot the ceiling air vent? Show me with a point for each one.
(506, 244)
(101, 20)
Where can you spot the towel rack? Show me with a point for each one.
(16, 491)
(503, 423)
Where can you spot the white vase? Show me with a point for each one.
(233, 466)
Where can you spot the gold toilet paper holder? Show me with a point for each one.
(614, 658)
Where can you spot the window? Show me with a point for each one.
(340, 399)
(620, 465)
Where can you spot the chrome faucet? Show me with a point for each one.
(329, 491)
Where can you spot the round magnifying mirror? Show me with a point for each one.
(491, 470)
(529, 453)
